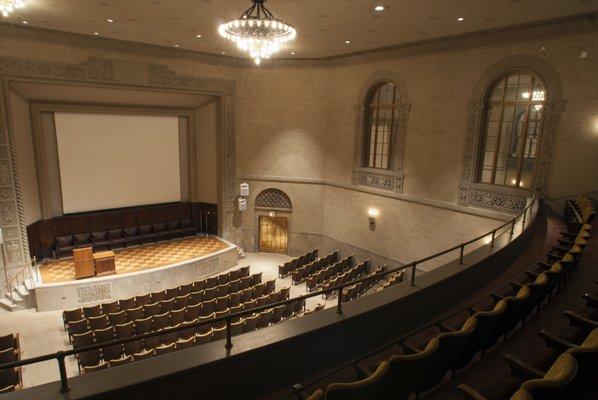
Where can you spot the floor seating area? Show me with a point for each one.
(10, 351)
(327, 273)
(302, 273)
(358, 289)
(419, 363)
(297, 262)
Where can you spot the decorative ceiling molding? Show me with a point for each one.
(545, 29)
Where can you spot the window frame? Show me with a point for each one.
(369, 158)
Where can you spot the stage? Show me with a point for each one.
(139, 270)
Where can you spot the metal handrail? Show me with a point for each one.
(20, 273)
(60, 355)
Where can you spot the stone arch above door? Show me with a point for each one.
(273, 198)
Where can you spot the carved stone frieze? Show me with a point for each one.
(391, 182)
(491, 199)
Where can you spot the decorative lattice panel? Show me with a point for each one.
(88, 294)
(273, 198)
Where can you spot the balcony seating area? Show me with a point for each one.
(302, 273)
(419, 362)
(124, 237)
(288, 267)
(10, 351)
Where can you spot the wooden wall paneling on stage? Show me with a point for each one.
(129, 218)
(144, 216)
(79, 223)
(96, 222)
(112, 220)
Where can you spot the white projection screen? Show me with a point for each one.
(117, 160)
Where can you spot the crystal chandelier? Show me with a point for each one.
(258, 32)
(8, 6)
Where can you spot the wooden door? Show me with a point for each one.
(274, 232)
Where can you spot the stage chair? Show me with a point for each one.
(188, 228)
(160, 231)
(250, 323)
(185, 289)
(82, 240)
(167, 305)
(77, 327)
(99, 322)
(210, 294)
(63, 246)
(144, 355)
(143, 326)
(199, 286)
(171, 293)
(256, 279)
(202, 338)
(143, 299)
(174, 229)
(234, 299)
(121, 361)
(110, 308)
(172, 337)
(161, 321)
(93, 368)
(182, 301)
(92, 311)
(134, 313)
(244, 271)
(157, 296)
(116, 239)
(165, 349)
(118, 318)
(211, 282)
(190, 331)
(125, 304)
(182, 344)
(132, 236)
(208, 307)
(270, 286)
(195, 298)
(218, 333)
(99, 240)
(192, 312)
(177, 316)
(264, 319)
(146, 233)
(71, 315)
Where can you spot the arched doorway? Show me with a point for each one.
(272, 212)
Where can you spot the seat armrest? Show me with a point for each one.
(554, 256)
(361, 370)
(555, 342)
(469, 393)
(496, 297)
(522, 369)
(530, 274)
(409, 349)
(576, 319)
(473, 310)
(444, 328)
(591, 300)
(544, 265)
(515, 285)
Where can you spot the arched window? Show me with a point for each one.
(380, 109)
(511, 131)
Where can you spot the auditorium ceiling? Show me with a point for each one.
(324, 26)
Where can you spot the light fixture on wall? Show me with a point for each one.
(272, 214)
(372, 214)
(257, 32)
(9, 6)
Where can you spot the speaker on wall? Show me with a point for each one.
(244, 189)
(242, 204)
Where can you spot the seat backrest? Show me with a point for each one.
(556, 381)
(8, 341)
(104, 335)
(124, 330)
(370, 388)
(405, 370)
(8, 355)
(586, 354)
(449, 347)
(83, 339)
(110, 308)
(514, 305)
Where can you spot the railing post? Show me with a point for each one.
(493, 236)
(513, 226)
(229, 342)
(523, 225)
(64, 383)
(462, 249)
(413, 268)
(339, 305)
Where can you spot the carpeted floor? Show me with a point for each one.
(140, 257)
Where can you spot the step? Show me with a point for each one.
(14, 297)
(29, 284)
(21, 290)
(8, 305)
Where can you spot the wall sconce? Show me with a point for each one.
(372, 214)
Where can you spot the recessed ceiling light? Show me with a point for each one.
(347, 42)
(460, 19)
(25, 22)
(198, 36)
(110, 20)
(96, 33)
(380, 8)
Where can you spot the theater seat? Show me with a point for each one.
(132, 236)
(147, 234)
(64, 246)
(83, 240)
(99, 240)
(174, 229)
(160, 231)
(556, 381)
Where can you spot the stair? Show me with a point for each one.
(7, 304)
(21, 297)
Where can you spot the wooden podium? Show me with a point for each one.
(84, 265)
(104, 263)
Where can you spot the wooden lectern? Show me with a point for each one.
(104, 263)
(84, 266)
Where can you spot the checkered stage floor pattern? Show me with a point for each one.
(140, 257)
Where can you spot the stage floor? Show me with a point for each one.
(140, 258)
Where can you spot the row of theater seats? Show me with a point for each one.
(390, 280)
(324, 274)
(297, 262)
(123, 237)
(584, 206)
(10, 351)
(422, 366)
(358, 289)
(302, 273)
(349, 275)
(187, 335)
(189, 306)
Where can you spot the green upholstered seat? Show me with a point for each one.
(556, 381)
(369, 388)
